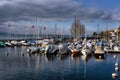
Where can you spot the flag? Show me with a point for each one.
(15, 31)
(44, 28)
(9, 25)
(33, 26)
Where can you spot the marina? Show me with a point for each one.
(59, 58)
(57, 61)
(59, 40)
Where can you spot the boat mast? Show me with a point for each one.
(98, 31)
(38, 30)
(75, 25)
(117, 32)
(55, 30)
(63, 30)
(9, 25)
(107, 31)
(8, 34)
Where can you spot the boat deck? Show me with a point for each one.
(112, 51)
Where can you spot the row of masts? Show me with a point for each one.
(107, 30)
(37, 31)
(40, 31)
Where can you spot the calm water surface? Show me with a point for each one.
(14, 66)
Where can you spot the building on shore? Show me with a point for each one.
(111, 34)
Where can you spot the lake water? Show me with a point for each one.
(14, 66)
(18, 37)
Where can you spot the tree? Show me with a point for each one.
(77, 28)
(102, 34)
(95, 34)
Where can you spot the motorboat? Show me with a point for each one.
(2, 44)
(33, 50)
(63, 49)
(51, 49)
(86, 50)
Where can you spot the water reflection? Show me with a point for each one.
(62, 69)
(8, 62)
(75, 57)
(37, 62)
(50, 58)
(58, 67)
(63, 57)
(86, 58)
(99, 57)
(8, 50)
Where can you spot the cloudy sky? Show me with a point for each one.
(21, 15)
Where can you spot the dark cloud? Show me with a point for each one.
(43, 9)
(49, 9)
(94, 14)
(24, 10)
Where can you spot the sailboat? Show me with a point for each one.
(63, 49)
(7, 43)
(87, 48)
(51, 49)
(99, 52)
(75, 48)
(33, 49)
